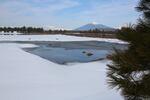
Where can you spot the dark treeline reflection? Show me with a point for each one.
(130, 69)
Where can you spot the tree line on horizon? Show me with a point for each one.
(21, 29)
(34, 30)
(25, 29)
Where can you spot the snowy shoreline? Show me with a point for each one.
(25, 76)
(62, 38)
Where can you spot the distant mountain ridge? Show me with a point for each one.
(94, 26)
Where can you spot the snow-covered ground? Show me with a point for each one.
(10, 33)
(24, 76)
(53, 38)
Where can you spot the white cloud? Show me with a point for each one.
(32, 12)
(39, 6)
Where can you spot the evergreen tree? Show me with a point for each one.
(130, 69)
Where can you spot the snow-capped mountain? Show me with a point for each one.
(94, 26)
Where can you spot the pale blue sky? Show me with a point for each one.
(67, 13)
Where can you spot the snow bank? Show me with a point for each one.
(53, 38)
(24, 76)
(28, 46)
(10, 33)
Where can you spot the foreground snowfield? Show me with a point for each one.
(53, 38)
(24, 76)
